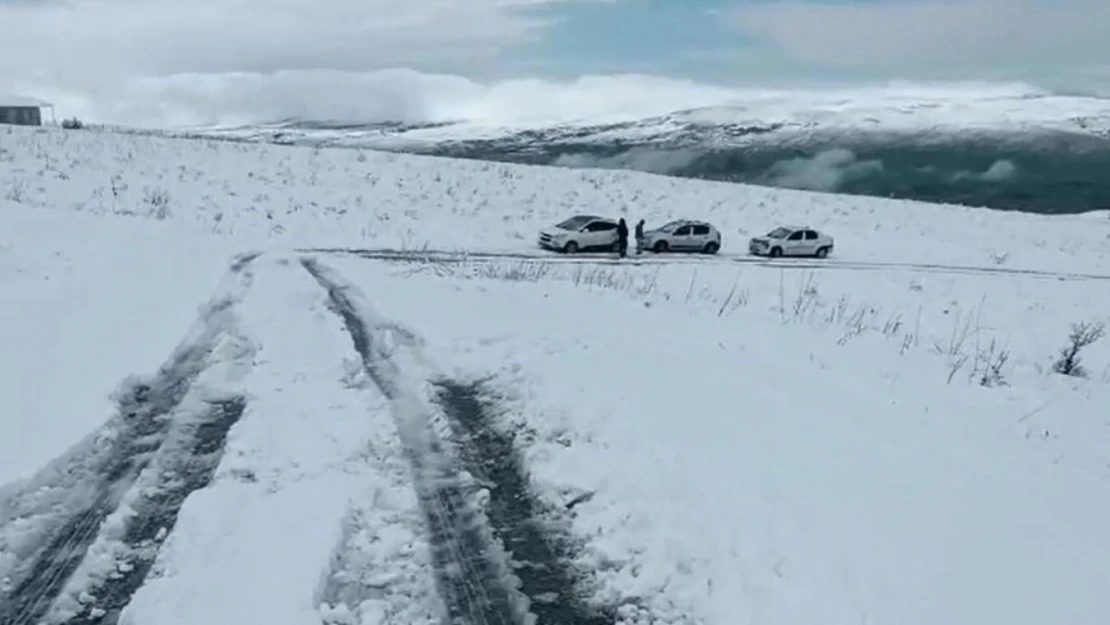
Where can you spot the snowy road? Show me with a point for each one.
(80, 539)
(827, 264)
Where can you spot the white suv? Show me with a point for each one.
(683, 235)
(581, 233)
(792, 241)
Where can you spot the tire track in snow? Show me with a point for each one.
(828, 264)
(476, 588)
(185, 469)
(42, 567)
(475, 551)
(540, 558)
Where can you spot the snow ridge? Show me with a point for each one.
(80, 537)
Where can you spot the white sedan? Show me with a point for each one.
(579, 234)
(792, 241)
(683, 235)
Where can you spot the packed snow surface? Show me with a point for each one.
(879, 437)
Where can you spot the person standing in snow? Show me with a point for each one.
(622, 237)
(640, 236)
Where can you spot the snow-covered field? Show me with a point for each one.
(275, 196)
(345, 439)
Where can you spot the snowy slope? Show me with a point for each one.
(359, 438)
(281, 196)
(1009, 147)
(724, 118)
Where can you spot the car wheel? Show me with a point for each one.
(571, 247)
(822, 252)
(711, 247)
(660, 247)
(776, 252)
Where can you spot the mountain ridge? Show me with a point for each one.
(1006, 153)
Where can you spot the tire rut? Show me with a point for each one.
(472, 584)
(188, 468)
(539, 557)
(144, 421)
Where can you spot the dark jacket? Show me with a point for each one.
(640, 229)
(622, 229)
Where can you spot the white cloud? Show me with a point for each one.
(204, 62)
(75, 41)
(407, 95)
(931, 37)
(385, 95)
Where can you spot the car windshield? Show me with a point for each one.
(574, 223)
(778, 233)
(671, 225)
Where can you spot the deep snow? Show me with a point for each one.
(735, 442)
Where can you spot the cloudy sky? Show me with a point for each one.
(194, 54)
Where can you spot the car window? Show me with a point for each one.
(778, 233)
(601, 226)
(797, 236)
(701, 229)
(683, 231)
(573, 223)
(811, 235)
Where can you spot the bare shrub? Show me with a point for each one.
(522, 271)
(1083, 334)
(527, 270)
(988, 364)
(961, 331)
(17, 191)
(734, 299)
(157, 201)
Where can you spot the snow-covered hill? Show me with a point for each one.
(792, 117)
(274, 195)
(348, 437)
(1006, 148)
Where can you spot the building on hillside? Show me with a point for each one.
(22, 111)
